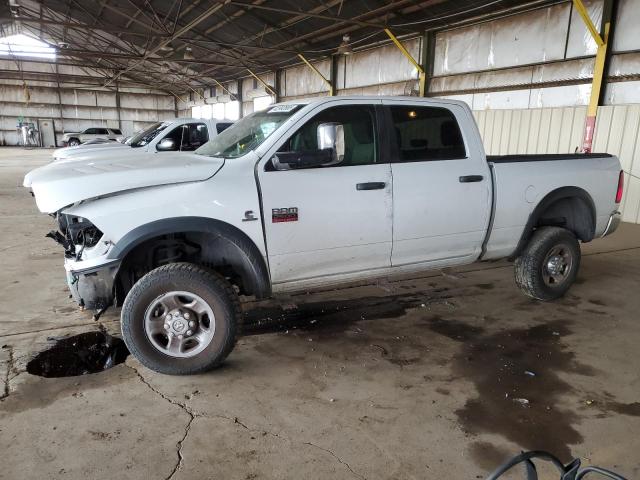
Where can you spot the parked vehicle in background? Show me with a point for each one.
(178, 135)
(306, 195)
(73, 139)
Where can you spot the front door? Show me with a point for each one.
(333, 220)
(441, 185)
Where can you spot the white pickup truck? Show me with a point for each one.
(309, 194)
(176, 135)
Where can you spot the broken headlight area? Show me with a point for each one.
(75, 234)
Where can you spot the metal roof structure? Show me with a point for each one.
(177, 45)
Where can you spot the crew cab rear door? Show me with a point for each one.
(441, 183)
(329, 220)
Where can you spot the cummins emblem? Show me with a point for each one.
(279, 215)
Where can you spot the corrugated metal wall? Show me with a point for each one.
(559, 130)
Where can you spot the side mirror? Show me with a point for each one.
(331, 137)
(166, 145)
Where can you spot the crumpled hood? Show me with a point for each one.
(59, 184)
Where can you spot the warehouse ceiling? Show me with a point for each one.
(178, 45)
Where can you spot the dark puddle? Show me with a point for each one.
(90, 352)
(515, 373)
(330, 317)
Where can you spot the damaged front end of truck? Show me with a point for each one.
(91, 286)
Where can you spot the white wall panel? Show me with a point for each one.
(626, 35)
(381, 65)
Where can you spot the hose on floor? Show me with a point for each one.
(571, 471)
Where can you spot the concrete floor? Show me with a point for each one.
(407, 378)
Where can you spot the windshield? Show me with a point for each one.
(143, 138)
(248, 133)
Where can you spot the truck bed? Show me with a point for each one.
(520, 183)
(547, 157)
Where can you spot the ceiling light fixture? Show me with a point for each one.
(345, 47)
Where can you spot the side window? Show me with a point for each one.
(357, 142)
(102, 131)
(426, 133)
(194, 136)
(116, 131)
(90, 131)
(175, 135)
(222, 126)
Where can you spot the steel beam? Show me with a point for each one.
(266, 86)
(422, 77)
(602, 39)
(317, 72)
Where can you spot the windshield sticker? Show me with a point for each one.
(282, 108)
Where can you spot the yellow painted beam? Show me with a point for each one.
(422, 76)
(266, 86)
(223, 88)
(317, 72)
(579, 6)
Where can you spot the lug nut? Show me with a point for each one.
(189, 332)
(166, 326)
(180, 337)
(186, 315)
(192, 324)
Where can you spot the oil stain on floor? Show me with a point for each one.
(515, 372)
(89, 352)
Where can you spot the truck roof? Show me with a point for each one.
(317, 100)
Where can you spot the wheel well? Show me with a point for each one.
(227, 256)
(569, 207)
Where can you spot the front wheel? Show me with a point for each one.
(74, 142)
(181, 319)
(549, 264)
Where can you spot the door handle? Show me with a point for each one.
(370, 186)
(470, 178)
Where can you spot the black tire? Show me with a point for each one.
(210, 287)
(73, 142)
(531, 272)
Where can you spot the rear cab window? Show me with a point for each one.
(425, 133)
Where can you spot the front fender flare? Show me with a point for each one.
(254, 267)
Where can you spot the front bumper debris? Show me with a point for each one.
(93, 288)
(612, 224)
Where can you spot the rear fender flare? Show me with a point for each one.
(545, 203)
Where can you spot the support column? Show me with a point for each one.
(239, 97)
(428, 56)
(333, 75)
(602, 38)
(118, 106)
(276, 85)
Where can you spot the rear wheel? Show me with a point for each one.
(549, 264)
(74, 142)
(181, 319)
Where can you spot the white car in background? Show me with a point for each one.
(73, 139)
(176, 135)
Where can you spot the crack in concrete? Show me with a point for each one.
(193, 415)
(337, 458)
